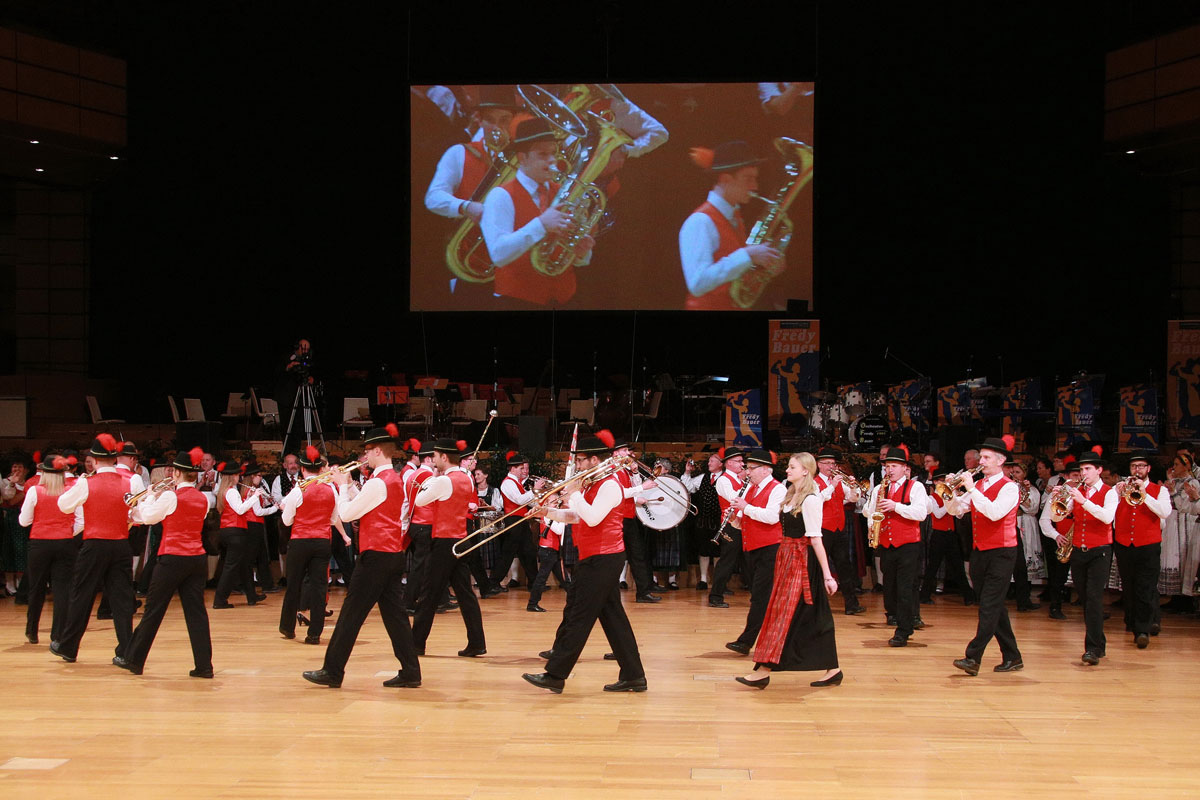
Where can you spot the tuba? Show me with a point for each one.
(775, 229)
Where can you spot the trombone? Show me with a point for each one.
(327, 476)
(586, 478)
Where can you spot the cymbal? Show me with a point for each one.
(823, 397)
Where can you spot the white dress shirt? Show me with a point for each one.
(439, 197)
(504, 244)
(28, 507)
(608, 497)
(995, 510)
(438, 488)
(373, 492)
(294, 500)
(156, 510)
(699, 240)
(234, 500)
(77, 495)
(769, 514)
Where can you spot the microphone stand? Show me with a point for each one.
(888, 353)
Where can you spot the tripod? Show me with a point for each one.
(306, 403)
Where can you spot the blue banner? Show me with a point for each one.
(743, 419)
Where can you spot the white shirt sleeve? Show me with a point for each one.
(511, 490)
(1046, 524)
(152, 511)
(1160, 505)
(915, 509)
(25, 518)
(1105, 513)
(239, 506)
(293, 501)
(607, 498)
(373, 492)
(435, 489)
(769, 514)
(698, 241)
(647, 132)
(439, 197)
(995, 510)
(74, 497)
(810, 509)
(725, 489)
(936, 508)
(692, 482)
(503, 243)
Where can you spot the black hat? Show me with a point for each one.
(1139, 455)
(426, 448)
(188, 460)
(230, 467)
(897, 453)
(727, 453)
(1093, 456)
(1070, 464)
(447, 445)
(602, 442)
(311, 458)
(725, 156)
(492, 96)
(104, 446)
(530, 131)
(387, 433)
(252, 468)
(621, 441)
(515, 459)
(829, 452)
(763, 457)
(1003, 446)
(127, 449)
(53, 464)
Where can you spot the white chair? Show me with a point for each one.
(237, 407)
(268, 411)
(174, 409)
(582, 411)
(356, 413)
(97, 417)
(194, 409)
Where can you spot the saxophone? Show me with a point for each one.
(877, 516)
(466, 253)
(775, 229)
(1063, 553)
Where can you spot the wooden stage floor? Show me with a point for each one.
(905, 723)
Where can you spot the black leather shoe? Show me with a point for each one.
(918, 624)
(258, 598)
(312, 639)
(514, 584)
(632, 685)
(323, 678)
(701, 585)
(200, 673)
(546, 654)
(836, 680)
(123, 664)
(738, 647)
(649, 598)
(272, 590)
(717, 604)
(535, 607)
(328, 613)
(225, 604)
(287, 634)
(1028, 606)
(401, 682)
(55, 651)
(859, 609)
(544, 680)
(1155, 628)
(624, 585)
(898, 641)
(967, 665)
(1009, 666)
(891, 619)
(471, 652)
(673, 586)
(301, 620)
(761, 683)
(1142, 640)
(103, 615)
(489, 593)
(1090, 658)
(31, 638)
(1056, 613)
(610, 656)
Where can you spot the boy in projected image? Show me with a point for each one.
(517, 215)
(712, 245)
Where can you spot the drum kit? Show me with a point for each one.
(857, 419)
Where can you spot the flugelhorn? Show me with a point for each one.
(1132, 493)
(1060, 499)
(133, 498)
(327, 476)
(951, 486)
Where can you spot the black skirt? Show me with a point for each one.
(810, 643)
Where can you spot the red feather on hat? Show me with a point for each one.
(107, 441)
(508, 456)
(196, 455)
(1098, 450)
(312, 453)
(702, 157)
(904, 449)
(153, 461)
(37, 456)
(59, 462)
(774, 456)
(606, 437)
(221, 467)
(242, 470)
(720, 452)
(1009, 440)
(72, 460)
(1068, 460)
(461, 445)
(121, 447)
(413, 445)
(392, 430)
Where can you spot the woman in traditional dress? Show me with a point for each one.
(1027, 528)
(1181, 544)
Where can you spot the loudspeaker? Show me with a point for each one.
(531, 436)
(207, 435)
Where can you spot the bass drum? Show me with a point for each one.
(666, 506)
(870, 432)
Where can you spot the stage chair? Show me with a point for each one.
(194, 409)
(236, 407)
(582, 411)
(356, 413)
(651, 413)
(267, 409)
(174, 409)
(97, 417)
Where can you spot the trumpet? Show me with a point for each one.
(327, 476)
(585, 479)
(849, 481)
(1132, 493)
(133, 498)
(951, 486)
(1060, 498)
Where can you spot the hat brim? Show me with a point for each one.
(750, 162)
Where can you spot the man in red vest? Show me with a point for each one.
(728, 484)
(992, 504)
(378, 575)
(1052, 533)
(1093, 509)
(1138, 545)
(517, 215)
(310, 511)
(835, 496)
(463, 167)
(712, 241)
(761, 536)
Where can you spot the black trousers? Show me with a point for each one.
(760, 574)
(1138, 567)
(595, 594)
(1020, 576)
(154, 533)
(307, 559)
(547, 563)
(343, 554)
(235, 574)
(101, 563)
(50, 560)
(1090, 571)
(837, 546)
(1056, 574)
(899, 565)
(944, 548)
(729, 561)
(187, 576)
(635, 553)
(517, 543)
(474, 562)
(259, 554)
(378, 578)
(446, 570)
(421, 541)
(991, 571)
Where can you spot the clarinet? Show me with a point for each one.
(728, 517)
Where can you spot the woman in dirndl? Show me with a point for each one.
(1027, 529)
(797, 632)
(1181, 540)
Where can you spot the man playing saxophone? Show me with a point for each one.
(1053, 532)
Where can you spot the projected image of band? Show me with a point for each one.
(604, 196)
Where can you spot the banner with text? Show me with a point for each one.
(952, 402)
(1017, 400)
(1183, 379)
(908, 405)
(793, 347)
(1137, 428)
(743, 419)
(1077, 411)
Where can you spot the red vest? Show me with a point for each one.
(946, 522)
(896, 530)
(232, 519)
(988, 534)
(736, 483)
(547, 537)
(379, 529)
(1089, 531)
(183, 529)
(732, 238)
(757, 534)
(450, 515)
(518, 278)
(1133, 526)
(607, 537)
(314, 514)
(421, 515)
(833, 513)
(48, 521)
(105, 515)
(628, 507)
(476, 164)
(509, 505)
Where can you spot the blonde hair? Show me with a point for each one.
(798, 492)
(227, 482)
(53, 483)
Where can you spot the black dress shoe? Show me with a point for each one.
(323, 678)
(200, 673)
(898, 641)
(287, 634)
(1009, 666)
(918, 624)
(673, 586)
(631, 685)
(534, 607)
(1028, 605)
(1155, 628)
(738, 647)
(489, 593)
(272, 590)
(402, 682)
(328, 613)
(1090, 658)
(312, 639)
(877, 589)
(717, 604)
(1142, 640)
(701, 585)
(856, 609)
(301, 620)
(1056, 613)
(761, 683)
(55, 651)
(123, 664)
(624, 585)
(224, 604)
(501, 589)
(610, 656)
(967, 665)
(104, 615)
(544, 680)
(649, 598)
(546, 654)
(891, 619)
(31, 638)
(836, 680)
(514, 584)
(259, 597)
(471, 652)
